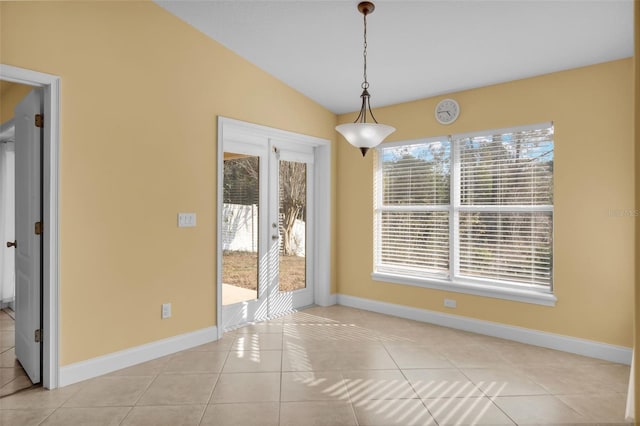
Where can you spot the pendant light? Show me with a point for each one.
(361, 134)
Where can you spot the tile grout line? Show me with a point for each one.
(126, 415)
(491, 398)
(410, 384)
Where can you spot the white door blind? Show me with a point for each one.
(468, 208)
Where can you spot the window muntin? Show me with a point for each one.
(468, 208)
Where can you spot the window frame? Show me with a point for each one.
(453, 282)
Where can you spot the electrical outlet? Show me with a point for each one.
(186, 220)
(449, 303)
(166, 310)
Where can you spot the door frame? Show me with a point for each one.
(322, 178)
(50, 85)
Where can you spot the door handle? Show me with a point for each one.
(273, 237)
(12, 244)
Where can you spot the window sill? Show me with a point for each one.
(517, 295)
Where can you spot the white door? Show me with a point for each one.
(244, 219)
(267, 228)
(28, 140)
(291, 218)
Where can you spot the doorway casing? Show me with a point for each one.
(322, 254)
(50, 84)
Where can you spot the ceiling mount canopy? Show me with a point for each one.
(361, 134)
(366, 8)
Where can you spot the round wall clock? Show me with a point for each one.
(447, 111)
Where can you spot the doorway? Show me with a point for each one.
(49, 86)
(269, 240)
(7, 209)
(22, 248)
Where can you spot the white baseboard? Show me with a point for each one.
(328, 300)
(574, 345)
(98, 366)
(8, 303)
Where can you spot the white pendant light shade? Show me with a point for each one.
(365, 135)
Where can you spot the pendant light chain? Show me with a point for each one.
(365, 83)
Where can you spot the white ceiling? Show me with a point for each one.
(416, 49)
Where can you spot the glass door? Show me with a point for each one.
(267, 224)
(291, 216)
(241, 228)
(244, 220)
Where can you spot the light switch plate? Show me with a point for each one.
(186, 220)
(166, 310)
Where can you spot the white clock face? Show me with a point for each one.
(447, 111)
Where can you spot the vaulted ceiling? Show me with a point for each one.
(416, 49)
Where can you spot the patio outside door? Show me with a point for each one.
(267, 228)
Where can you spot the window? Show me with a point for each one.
(470, 213)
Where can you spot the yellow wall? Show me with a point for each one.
(141, 91)
(10, 95)
(636, 71)
(593, 253)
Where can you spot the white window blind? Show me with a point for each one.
(413, 214)
(468, 208)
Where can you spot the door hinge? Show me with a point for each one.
(39, 120)
(38, 228)
(38, 336)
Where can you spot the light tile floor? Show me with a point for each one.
(12, 376)
(340, 366)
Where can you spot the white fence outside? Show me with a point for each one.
(240, 230)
